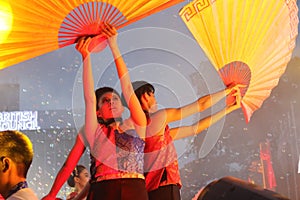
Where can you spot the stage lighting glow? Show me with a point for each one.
(6, 19)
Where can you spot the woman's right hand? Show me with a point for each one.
(82, 46)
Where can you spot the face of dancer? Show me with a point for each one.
(82, 178)
(152, 104)
(110, 106)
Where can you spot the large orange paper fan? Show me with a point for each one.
(34, 27)
(247, 41)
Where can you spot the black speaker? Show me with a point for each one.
(230, 188)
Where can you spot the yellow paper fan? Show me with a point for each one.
(248, 42)
(29, 28)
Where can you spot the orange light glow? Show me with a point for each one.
(6, 19)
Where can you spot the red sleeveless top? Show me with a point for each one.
(161, 165)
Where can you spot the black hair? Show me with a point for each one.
(101, 91)
(78, 169)
(140, 88)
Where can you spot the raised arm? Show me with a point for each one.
(198, 127)
(91, 123)
(69, 165)
(136, 112)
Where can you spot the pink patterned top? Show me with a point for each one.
(116, 155)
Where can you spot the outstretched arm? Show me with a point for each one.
(198, 127)
(137, 114)
(162, 117)
(69, 165)
(174, 114)
(91, 122)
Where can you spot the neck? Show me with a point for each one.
(109, 121)
(77, 189)
(16, 187)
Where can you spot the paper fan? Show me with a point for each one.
(30, 28)
(248, 42)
